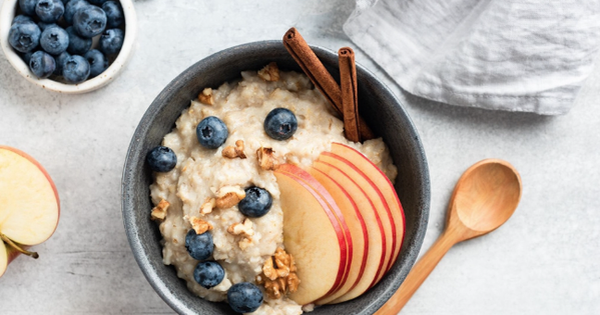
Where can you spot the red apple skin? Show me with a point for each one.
(12, 253)
(385, 186)
(341, 241)
(377, 198)
(377, 229)
(312, 183)
(360, 244)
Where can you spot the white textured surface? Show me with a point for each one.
(513, 55)
(545, 260)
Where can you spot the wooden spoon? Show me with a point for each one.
(485, 196)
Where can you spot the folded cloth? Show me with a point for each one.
(514, 55)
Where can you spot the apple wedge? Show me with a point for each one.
(30, 205)
(313, 236)
(322, 192)
(366, 230)
(373, 193)
(379, 248)
(382, 182)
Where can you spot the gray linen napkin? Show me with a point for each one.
(514, 55)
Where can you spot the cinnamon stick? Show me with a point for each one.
(348, 87)
(318, 74)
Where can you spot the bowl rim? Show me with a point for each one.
(132, 231)
(7, 13)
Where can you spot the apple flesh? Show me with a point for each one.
(367, 237)
(342, 218)
(313, 236)
(385, 186)
(375, 196)
(30, 205)
(379, 246)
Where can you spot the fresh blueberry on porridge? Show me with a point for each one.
(209, 273)
(281, 124)
(212, 132)
(257, 202)
(161, 159)
(269, 207)
(199, 246)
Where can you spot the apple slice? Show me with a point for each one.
(313, 236)
(382, 182)
(29, 202)
(389, 228)
(378, 244)
(353, 255)
(363, 252)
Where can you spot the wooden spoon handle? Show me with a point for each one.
(417, 275)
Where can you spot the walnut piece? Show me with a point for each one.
(229, 196)
(269, 73)
(199, 225)
(160, 211)
(278, 276)
(206, 97)
(208, 206)
(232, 152)
(245, 228)
(266, 158)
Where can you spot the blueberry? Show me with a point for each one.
(76, 69)
(24, 37)
(42, 64)
(72, 7)
(60, 62)
(281, 124)
(199, 246)
(97, 2)
(209, 273)
(244, 297)
(160, 159)
(49, 11)
(257, 202)
(211, 132)
(89, 21)
(28, 6)
(114, 14)
(98, 63)
(21, 19)
(54, 40)
(111, 41)
(78, 45)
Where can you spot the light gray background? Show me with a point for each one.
(545, 260)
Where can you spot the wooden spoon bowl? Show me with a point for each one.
(485, 196)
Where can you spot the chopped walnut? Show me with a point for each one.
(199, 225)
(208, 206)
(206, 97)
(278, 276)
(245, 228)
(229, 196)
(232, 152)
(269, 73)
(160, 211)
(245, 242)
(266, 158)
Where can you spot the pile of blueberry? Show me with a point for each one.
(55, 37)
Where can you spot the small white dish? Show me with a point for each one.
(7, 13)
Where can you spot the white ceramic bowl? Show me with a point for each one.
(7, 13)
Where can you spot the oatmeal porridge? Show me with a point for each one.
(203, 190)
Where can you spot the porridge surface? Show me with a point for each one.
(200, 173)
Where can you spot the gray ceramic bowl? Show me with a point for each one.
(379, 107)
